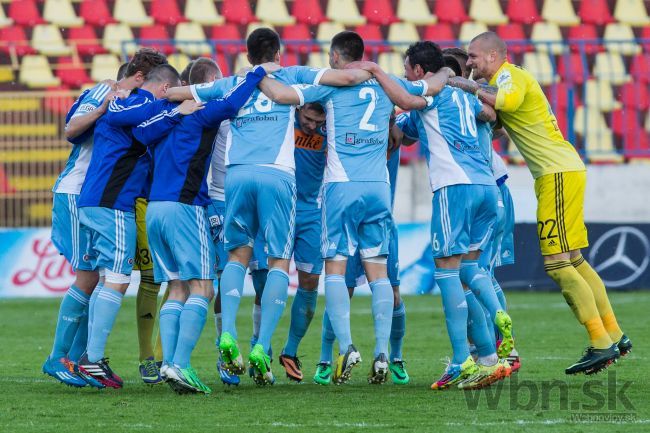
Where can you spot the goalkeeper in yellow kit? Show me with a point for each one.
(560, 179)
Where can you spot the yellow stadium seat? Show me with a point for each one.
(61, 13)
(547, 38)
(104, 66)
(610, 67)
(178, 60)
(117, 39)
(470, 30)
(131, 12)
(326, 32)
(392, 63)
(274, 12)
(401, 35)
(254, 26)
(599, 95)
(4, 21)
(190, 39)
(632, 12)
(47, 39)
(588, 119)
(487, 12)
(6, 74)
(241, 62)
(619, 38)
(344, 12)
(590, 124)
(35, 72)
(318, 60)
(560, 12)
(539, 64)
(203, 12)
(647, 122)
(415, 12)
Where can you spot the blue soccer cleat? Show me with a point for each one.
(62, 369)
(227, 378)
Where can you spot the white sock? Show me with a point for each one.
(489, 360)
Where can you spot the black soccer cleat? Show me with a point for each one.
(594, 360)
(624, 345)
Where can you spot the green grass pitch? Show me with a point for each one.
(548, 339)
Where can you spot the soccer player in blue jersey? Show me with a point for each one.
(71, 330)
(459, 173)
(178, 229)
(116, 176)
(260, 195)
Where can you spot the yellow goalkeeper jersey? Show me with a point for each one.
(525, 113)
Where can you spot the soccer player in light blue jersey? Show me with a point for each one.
(260, 195)
(464, 210)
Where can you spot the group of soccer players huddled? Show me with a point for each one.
(194, 178)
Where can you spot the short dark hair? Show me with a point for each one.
(144, 60)
(262, 45)
(202, 69)
(349, 45)
(426, 54)
(122, 71)
(452, 63)
(459, 53)
(314, 106)
(164, 74)
(185, 74)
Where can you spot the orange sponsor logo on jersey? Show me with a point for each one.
(309, 142)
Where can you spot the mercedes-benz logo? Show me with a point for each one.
(627, 269)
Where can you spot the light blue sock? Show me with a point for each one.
(397, 331)
(259, 277)
(477, 326)
(382, 313)
(80, 339)
(302, 311)
(232, 287)
(190, 326)
(500, 295)
(170, 314)
(71, 311)
(337, 302)
(327, 339)
(480, 282)
(106, 308)
(91, 307)
(455, 308)
(274, 299)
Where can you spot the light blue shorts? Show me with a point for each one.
(506, 252)
(306, 252)
(111, 238)
(179, 240)
(260, 199)
(260, 259)
(66, 234)
(463, 219)
(355, 274)
(356, 217)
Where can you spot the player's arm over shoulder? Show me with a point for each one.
(90, 108)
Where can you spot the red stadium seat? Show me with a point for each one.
(451, 11)
(645, 35)
(636, 144)
(558, 96)
(14, 38)
(635, 94)
(55, 102)
(581, 33)
(166, 12)
(407, 154)
(571, 68)
(229, 40)
(290, 59)
(96, 13)
(72, 73)
(372, 37)
(640, 68)
(85, 39)
(513, 34)
(442, 33)
(224, 64)
(523, 11)
(297, 39)
(498, 146)
(625, 120)
(238, 12)
(308, 12)
(595, 12)
(156, 36)
(25, 12)
(379, 12)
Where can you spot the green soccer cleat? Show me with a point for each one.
(455, 374)
(398, 372)
(184, 380)
(193, 378)
(230, 354)
(323, 374)
(345, 363)
(261, 364)
(484, 376)
(504, 323)
(594, 360)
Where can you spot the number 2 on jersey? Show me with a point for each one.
(364, 124)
